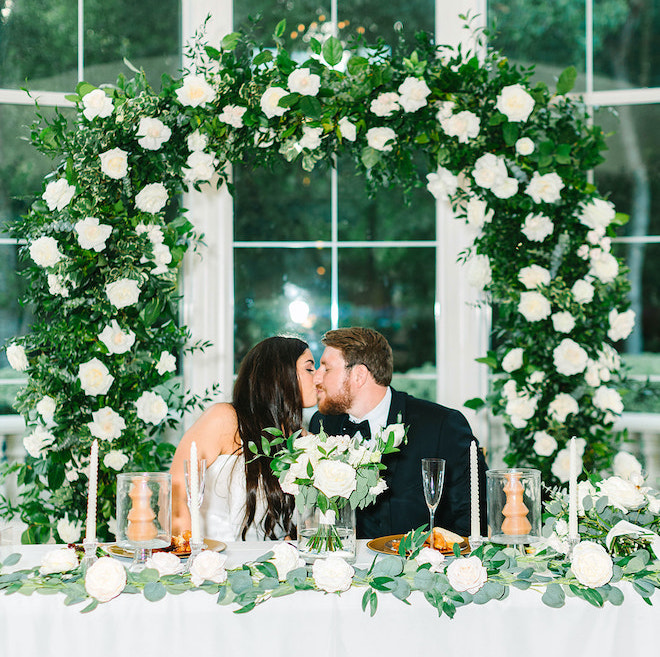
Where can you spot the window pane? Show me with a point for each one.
(549, 35)
(626, 52)
(393, 291)
(280, 291)
(39, 43)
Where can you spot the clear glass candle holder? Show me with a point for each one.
(514, 505)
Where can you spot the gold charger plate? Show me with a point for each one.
(209, 544)
(384, 545)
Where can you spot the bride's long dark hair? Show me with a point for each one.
(267, 394)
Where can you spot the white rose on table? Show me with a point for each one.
(442, 183)
(270, 102)
(544, 443)
(285, 558)
(464, 126)
(107, 424)
(479, 273)
(91, 234)
(68, 530)
(621, 324)
(583, 291)
(153, 133)
(562, 406)
(467, 574)
(165, 563)
(385, 104)
(200, 167)
(105, 579)
(17, 357)
(311, 138)
(477, 213)
(122, 293)
(152, 198)
(335, 478)
(151, 407)
(608, 399)
(413, 93)
(332, 574)
(97, 103)
(622, 494)
(115, 459)
(46, 407)
(95, 378)
(231, 115)
(533, 306)
(114, 163)
(525, 146)
(537, 227)
(166, 363)
(38, 441)
(591, 564)
(604, 266)
(625, 465)
(515, 103)
(195, 91)
(208, 566)
(347, 129)
(58, 194)
(196, 141)
(569, 357)
(433, 557)
(45, 251)
(533, 276)
(302, 81)
(513, 359)
(61, 560)
(597, 214)
(115, 339)
(381, 139)
(545, 188)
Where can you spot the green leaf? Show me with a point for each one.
(510, 133)
(566, 80)
(310, 107)
(357, 64)
(475, 403)
(12, 559)
(423, 579)
(289, 100)
(491, 361)
(230, 41)
(240, 581)
(370, 157)
(332, 51)
(279, 29)
(554, 595)
(154, 591)
(263, 57)
(315, 46)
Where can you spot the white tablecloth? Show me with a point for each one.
(315, 625)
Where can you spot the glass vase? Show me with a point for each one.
(326, 534)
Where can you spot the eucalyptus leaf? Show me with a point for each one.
(554, 595)
(154, 591)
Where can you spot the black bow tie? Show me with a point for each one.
(351, 428)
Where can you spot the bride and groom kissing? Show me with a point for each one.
(277, 379)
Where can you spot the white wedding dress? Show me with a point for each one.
(223, 505)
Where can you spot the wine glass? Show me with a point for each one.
(195, 478)
(433, 477)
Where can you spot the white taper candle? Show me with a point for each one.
(475, 524)
(194, 495)
(572, 490)
(92, 485)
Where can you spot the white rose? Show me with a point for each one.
(463, 125)
(347, 129)
(535, 378)
(107, 424)
(95, 379)
(506, 188)
(378, 488)
(152, 198)
(200, 166)
(413, 94)
(231, 115)
(338, 444)
(153, 133)
(303, 81)
(545, 188)
(489, 171)
(46, 407)
(97, 103)
(477, 213)
(525, 146)
(621, 493)
(434, 557)
(270, 102)
(285, 558)
(591, 564)
(57, 285)
(399, 431)
(105, 579)
(479, 273)
(45, 252)
(122, 293)
(61, 560)
(583, 291)
(467, 574)
(625, 465)
(534, 306)
(165, 563)
(609, 358)
(604, 266)
(162, 257)
(332, 574)
(38, 441)
(195, 91)
(114, 163)
(544, 443)
(17, 357)
(533, 276)
(334, 478)
(385, 104)
(151, 407)
(654, 504)
(115, 339)
(380, 138)
(311, 138)
(563, 322)
(115, 459)
(562, 406)
(442, 183)
(154, 232)
(537, 227)
(288, 482)
(561, 528)
(196, 141)
(445, 109)
(510, 390)
(621, 324)
(597, 214)
(359, 456)
(515, 103)
(92, 234)
(309, 442)
(208, 566)
(68, 530)
(608, 399)
(561, 466)
(520, 409)
(58, 194)
(166, 363)
(513, 360)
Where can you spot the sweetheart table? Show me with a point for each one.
(318, 625)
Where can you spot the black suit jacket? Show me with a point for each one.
(433, 431)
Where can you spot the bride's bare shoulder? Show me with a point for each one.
(216, 430)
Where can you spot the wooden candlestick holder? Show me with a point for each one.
(141, 525)
(515, 512)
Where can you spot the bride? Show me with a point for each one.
(243, 499)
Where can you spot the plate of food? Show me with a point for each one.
(180, 546)
(442, 540)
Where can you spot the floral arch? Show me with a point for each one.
(104, 242)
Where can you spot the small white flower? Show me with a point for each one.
(378, 488)
(442, 183)
(464, 126)
(231, 115)
(195, 91)
(545, 188)
(515, 103)
(151, 407)
(608, 399)
(107, 424)
(347, 129)
(534, 306)
(477, 213)
(562, 406)
(95, 379)
(569, 357)
(152, 198)
(445, 109)
(105, 579)
(625, 465)
(58, 194)
(38, 442)
(208, 566)
(434, 557)
(114, 163)
(479, 273)
(381, 139)
(122, 293)
(115, 339)
(597, 214)
(165, 563)
(563, 322)
(583, 291)
(68, 530)
(270, 102)
(537, 227)
(525, 146)
(196, 141)
(385, 104)
(621, 324)
(332, 574)
(46, 407)
(544, 443)
(467, 574)
(200, 166)
(505, 188)
(17, 357)
(285, 558)
(115, 459)
(45, 251)
(97, 103)
(413, 93)
(57, 284)
(92, 234)
(604, 266)
(61, 560)
(591, 564)
(513, 360)
(303, 81)
(520, 408)
(489, 171)
(561, 466)
(533, 276)
(166, 363)
(311, 138)
(153, 133)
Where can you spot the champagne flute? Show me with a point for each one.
(433, 477)
(194, 477)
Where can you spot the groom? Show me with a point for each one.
(352, 383)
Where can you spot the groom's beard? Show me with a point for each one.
(339, 403)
